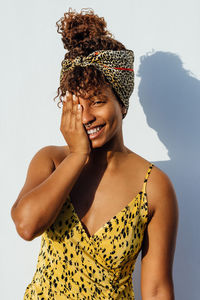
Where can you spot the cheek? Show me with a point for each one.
(114, 119)
(112, 111)
(111, 114)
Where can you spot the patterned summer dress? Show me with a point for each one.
(72, 265)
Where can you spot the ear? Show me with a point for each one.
(123, 109)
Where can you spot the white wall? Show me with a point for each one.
(162, 123)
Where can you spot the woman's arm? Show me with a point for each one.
(160, 240)
(45, 191)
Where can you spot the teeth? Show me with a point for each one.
(94, 130)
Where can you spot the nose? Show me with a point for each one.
(87, 115)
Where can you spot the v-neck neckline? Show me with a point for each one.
(91, 237)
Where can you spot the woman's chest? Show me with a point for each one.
(100, 194)
(97, 200)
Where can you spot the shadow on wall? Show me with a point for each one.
(170, 98)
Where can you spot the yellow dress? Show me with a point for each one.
(72, 265)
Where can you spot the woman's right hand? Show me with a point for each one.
(72, 127)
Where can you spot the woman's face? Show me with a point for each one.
(102, 110)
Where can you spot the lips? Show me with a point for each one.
(96, 134)
(95, 127)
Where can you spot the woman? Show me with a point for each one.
(90, 199)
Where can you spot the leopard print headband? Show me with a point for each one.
(117, 67)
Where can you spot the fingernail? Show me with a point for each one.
(74, 97)
(79, 107)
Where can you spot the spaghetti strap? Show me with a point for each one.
(146, 178)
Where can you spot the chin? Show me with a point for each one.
(96, 144)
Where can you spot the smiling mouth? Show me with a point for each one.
(96, 132)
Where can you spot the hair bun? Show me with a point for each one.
(79, 29)
(83, 33)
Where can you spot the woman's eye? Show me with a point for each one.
(98, 102)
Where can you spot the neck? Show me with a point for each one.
(108, 154)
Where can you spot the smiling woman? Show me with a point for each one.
(88, 198)
(107, 111)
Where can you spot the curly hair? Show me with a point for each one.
(82, 34)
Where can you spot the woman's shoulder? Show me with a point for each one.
(159, 187)
(138, 162)
(56, 153)
(143, 164)
(59, 150)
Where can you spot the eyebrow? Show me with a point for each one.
(100, 96)
(95, 97)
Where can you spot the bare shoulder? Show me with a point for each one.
(54, 149)
(52, 153)
(160, 190)
(57, 153)
(41, 166)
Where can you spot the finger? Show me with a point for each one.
(79, 124)
(69, 102)
(74, 109)
(64, 102)
(63, 108)
(68, 109)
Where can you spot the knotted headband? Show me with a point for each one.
(116, 65)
